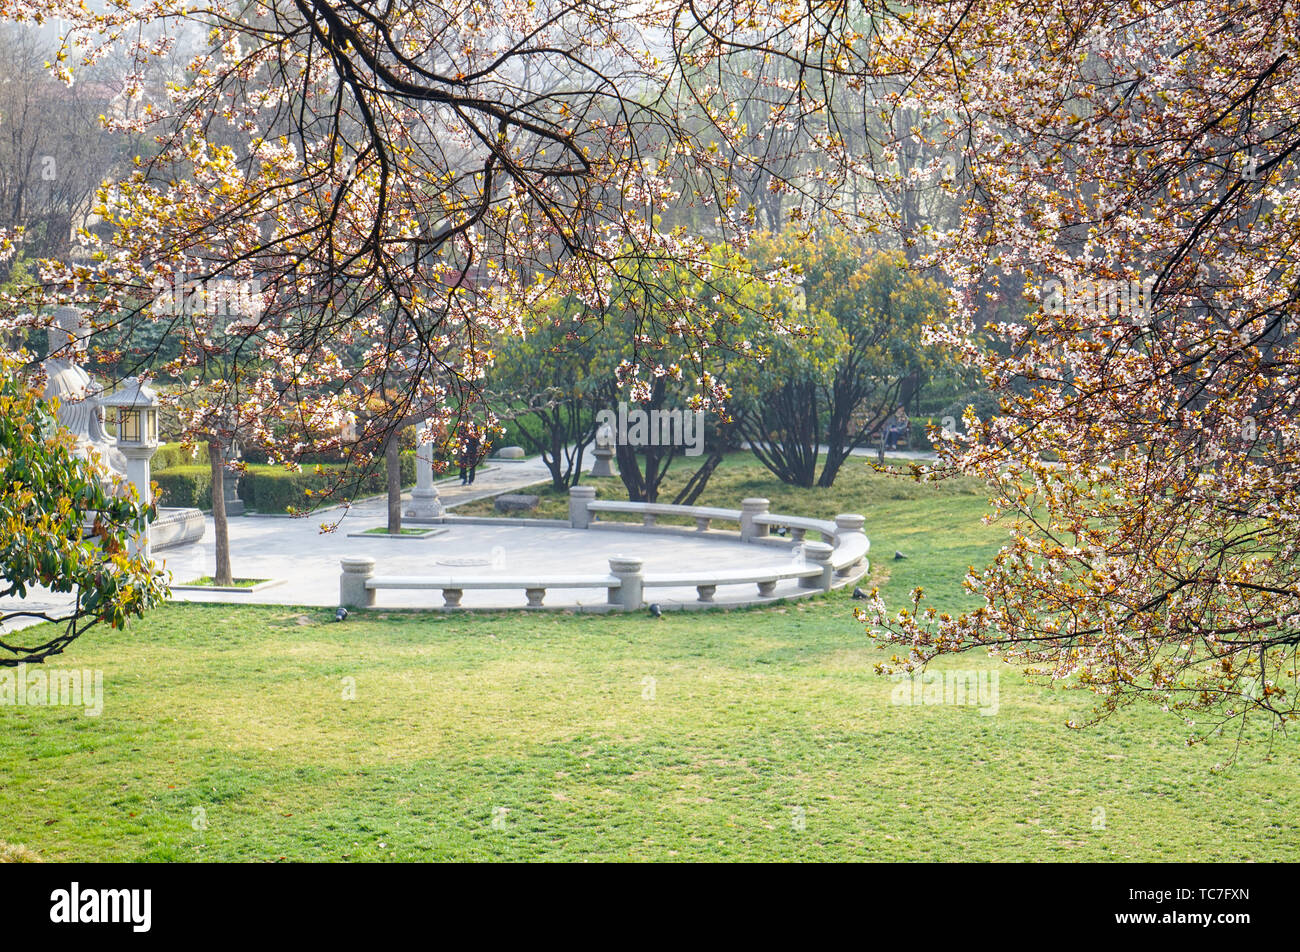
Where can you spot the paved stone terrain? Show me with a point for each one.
(309, 562)
(306, 560)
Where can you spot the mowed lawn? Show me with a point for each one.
(760, 734)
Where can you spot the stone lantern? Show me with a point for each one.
(135, 409)
(604, 451)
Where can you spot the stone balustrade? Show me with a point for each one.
(816, 566)
(358, 584)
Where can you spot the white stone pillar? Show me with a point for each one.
(579, 496)
(139, 472)
(425, 504)
(352, 582)
(749, 508)
(628, 572)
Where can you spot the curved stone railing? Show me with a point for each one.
(840, 557)
(849, 544)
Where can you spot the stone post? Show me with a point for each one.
(579, 496)
(603, 450)
(137, 438)
(627, 571)
(849, 522)
(425, 504)
(846, 524)
(138, 470)
(352, 583)
(818, 554)
(749, 508)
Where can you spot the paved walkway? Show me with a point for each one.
(253, 533)
(494, 478)
(265, 547)
(909, 455)
(305, 560)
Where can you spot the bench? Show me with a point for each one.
(904, 442)
(799, 525)
(649, 511)
(765, 580)
(851, 549)
(454, 589)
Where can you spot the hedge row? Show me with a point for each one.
(172, 455)
(269, 488)
(185, 487)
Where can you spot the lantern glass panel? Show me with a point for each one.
(152, 416)
(128, 425)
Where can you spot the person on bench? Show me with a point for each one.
(896, 429)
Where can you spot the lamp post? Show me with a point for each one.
(136, 414)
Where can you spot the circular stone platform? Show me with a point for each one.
(308, 561)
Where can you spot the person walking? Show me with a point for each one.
(468, 454)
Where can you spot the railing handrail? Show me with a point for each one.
(663, 509)
(486, 582)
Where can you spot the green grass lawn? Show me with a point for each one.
(758, 734)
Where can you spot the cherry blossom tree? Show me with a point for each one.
(400, 182)
(1121, 273)
(1132, 218)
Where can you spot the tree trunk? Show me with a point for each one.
(393, 471)
(567, 435)
(644, 487)
(220, 528)
(785, 432)
(629, 471)
(695, 485)
(554, 462)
